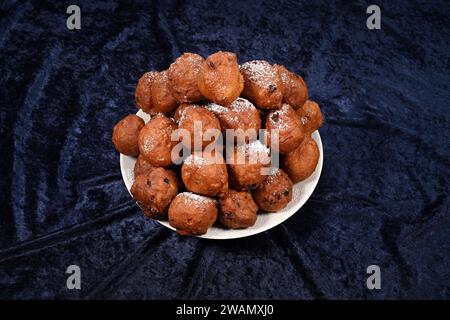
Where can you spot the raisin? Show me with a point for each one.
(271, 88)
(229, 215)
(275, 117)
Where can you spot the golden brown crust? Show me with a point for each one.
(183, 77)
(125, 135)
(142, 166)
(220, 79)
(262, 84)
(247, 174)
(295, 91)
(237, 209)
(241, 114)
(290, 130)
(161, 95)
(154, 191)
(192, 116)
(179, 112)
(192, 214)
(205, 174)
(274, 193)
(302, 162)
(155, 142)
(142, 93)
(310, 116)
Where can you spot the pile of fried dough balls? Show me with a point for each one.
(222, 95)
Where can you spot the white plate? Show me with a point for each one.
(301, 193)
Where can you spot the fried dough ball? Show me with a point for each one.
(240, 114)
(154, 190)
(161, 95)
(142, 94)
(155, 143)
(290, 129)
(179, 111)
(310, 116)
(142, 166)
(245, 165)
(194, 117)
(220, 79)
(302, 162)
(125, 135)
(183, 77)
(192, 214)
(237, 209)
(262, 84)
(295, 91)
(274, 193)
(205, 174)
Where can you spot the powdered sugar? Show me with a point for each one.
(193, 199)
(284, 77)
(277, 119)
(252, 152)
(285, 108)
(195, 59)
(183, 112)
(256, 146)
(259, 71)
(216, 108)
(238, 105)
(196, 160)
(148, 145)
(273, 176)
(241, 105)
(304, 120)
(233, 114)
(164, 76)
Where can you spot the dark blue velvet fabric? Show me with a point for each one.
(382, 198)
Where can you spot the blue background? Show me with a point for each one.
(382, 198)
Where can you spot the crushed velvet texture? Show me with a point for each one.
(382, 198)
